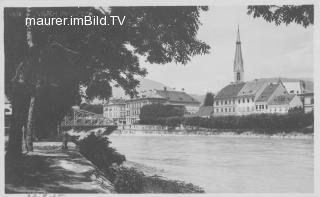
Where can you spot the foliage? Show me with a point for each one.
(294, 120)
(155, 113)
(69, 62)
(209, 99)
(98, 109)
(173, 122)
(302, 14)
(97, 150)
(255, 121)
(128, 180)
(298, 110)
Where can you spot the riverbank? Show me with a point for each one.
(51, 170)
(125, 176)
(216, 133)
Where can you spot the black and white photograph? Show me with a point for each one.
(159, 98)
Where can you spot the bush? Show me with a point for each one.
(128, 180)
(270, 122)
(97, 150)
(154, 113)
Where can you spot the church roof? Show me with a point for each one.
(281, 99)
(267, 92)
(230, 91)
(177, 96)
(238, 61)
(251, 88)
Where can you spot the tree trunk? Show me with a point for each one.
(17, 121)
(64, 140)
(29, 129)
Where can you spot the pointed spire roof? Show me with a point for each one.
(238, 61)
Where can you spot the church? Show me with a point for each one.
(270, 95)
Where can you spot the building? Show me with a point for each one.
(165, 97)
(308, 101)
(271, 90)
(180, 98)
(256, 96)
(115, 110)
(133, 106)
(7, 114)
(281, 104)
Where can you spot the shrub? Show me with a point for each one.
(128, 180)
(97, 150)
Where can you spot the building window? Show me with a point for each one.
(234, 101)
(248, 100)
(225, 102)
(234, 109)
(243, 100)
(266, 106)
(256, 107)
(239, 101)
(217, 103)
(312, 101)
(248, 109)
(252, 99)
(238, 76)
(217, 110)
(221, 102)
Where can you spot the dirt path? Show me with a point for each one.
(51, 170)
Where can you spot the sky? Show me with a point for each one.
(268, 51)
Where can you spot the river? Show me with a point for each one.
(226, 164)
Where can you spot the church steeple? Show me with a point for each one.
(238, 61)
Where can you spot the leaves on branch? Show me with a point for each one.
(302, 15)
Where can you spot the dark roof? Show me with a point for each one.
(204, 111)
(267, 92)
(230, 90)
(282, 99)
(251, 88)
(177, 96)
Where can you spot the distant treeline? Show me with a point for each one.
(288, 122)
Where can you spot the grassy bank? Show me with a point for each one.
(131, 180)
(127, 179)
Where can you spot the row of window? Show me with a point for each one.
(232, 109)
(233, 101)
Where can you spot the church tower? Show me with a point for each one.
(238, 61)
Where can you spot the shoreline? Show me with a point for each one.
(245, 134)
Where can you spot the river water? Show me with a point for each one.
(226, 164)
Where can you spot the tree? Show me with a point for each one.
(302, 15)
(209, 99)
(66, 58)
(154, 113)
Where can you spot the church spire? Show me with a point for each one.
(238, 61)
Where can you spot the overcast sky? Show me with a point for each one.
(268, 51)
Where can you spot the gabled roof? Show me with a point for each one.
(251, 88)
(281, 99)
(204, 111)
(177, 96)
(151, 94)
(230, 91)
(267, 92)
